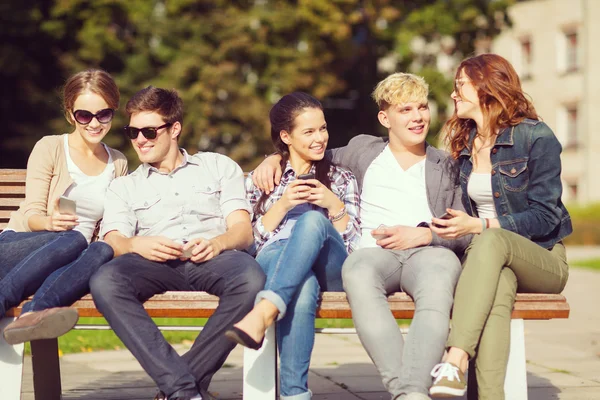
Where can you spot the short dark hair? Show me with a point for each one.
(165, 102)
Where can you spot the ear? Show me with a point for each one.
(383, 119)
(175, 130)
(285, 137)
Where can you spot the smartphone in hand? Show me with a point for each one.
(306, 177)
(445, 216)
(67, 206)
(379, 237)
(187, 253)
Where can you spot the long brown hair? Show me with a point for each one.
(503, 102)
(282, 117)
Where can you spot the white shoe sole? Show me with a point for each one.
(443, 391)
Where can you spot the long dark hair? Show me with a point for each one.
(282, 117)
(502, 99)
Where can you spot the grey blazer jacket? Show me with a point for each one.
(441, 178)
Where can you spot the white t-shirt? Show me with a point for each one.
(88, 192)
(479, 190)
(392, 196)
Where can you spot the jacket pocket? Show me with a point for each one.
(514, 175)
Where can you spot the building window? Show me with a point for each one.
(572, 63)
(572, 120)
(526, 58)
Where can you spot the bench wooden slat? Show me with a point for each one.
(332, 305)
(11, 202)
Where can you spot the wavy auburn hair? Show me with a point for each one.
(501, 98)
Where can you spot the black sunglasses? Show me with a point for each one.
(84, 117)
(149, 132)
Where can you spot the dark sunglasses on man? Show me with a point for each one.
(84, 117)
(148, 132)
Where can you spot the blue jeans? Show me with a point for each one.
(55, 266)
(122, 286)
(297, 268)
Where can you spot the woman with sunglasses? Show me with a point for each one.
(510, 167)
(45, 250)
(303, 232)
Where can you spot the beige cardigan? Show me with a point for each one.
(48, 178)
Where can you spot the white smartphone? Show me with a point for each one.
(67, 206)
(379, 237)
(187, 253)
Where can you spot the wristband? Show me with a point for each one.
(341, 214)
(483, 224)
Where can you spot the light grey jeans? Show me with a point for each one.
(427, 274)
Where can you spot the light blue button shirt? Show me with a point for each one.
(191, 201)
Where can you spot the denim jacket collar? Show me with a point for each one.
(505, 138)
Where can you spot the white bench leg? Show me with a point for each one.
(260, 369)
(515, 385)
(11, 366)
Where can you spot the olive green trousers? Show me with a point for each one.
(498, 264)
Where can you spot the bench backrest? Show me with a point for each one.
(12, 193)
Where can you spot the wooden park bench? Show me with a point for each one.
(260, 377)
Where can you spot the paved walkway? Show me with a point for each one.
(563, 359)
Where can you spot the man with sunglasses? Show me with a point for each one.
(175, 224)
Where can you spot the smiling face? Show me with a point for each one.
(466, 99)
(157, 150)
(94, 132)
(308, 138)
(407, 123)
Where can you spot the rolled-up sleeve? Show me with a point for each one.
(347, 189)
(233, 195)
(253, 194)
(118, 214)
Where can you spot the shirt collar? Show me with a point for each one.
(289, 171)
(187, 159)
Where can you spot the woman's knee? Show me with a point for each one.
(313, 221)
(102, 252)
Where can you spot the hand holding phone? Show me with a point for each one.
(187, 253)
(305, 177)
(445, 216)
(380, 236)
(67, 206)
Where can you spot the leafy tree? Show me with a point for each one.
(231, 60)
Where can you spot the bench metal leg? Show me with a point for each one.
(11, 366)
(515, 385)
(46, 369)
(260, 370)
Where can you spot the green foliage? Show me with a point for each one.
(593, 263)
(586, 225)
(229, 60)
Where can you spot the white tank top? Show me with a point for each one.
(479, 189)
(88, 192)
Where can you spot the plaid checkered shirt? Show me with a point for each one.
(343, 185)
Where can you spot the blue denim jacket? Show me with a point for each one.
(525, 182)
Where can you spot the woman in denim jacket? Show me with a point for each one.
(510, 177)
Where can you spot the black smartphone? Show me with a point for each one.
(306, 177)
(445, 216)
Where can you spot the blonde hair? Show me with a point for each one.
(400, 88)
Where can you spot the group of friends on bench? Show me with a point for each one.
(460, 231)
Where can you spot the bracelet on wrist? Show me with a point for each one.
(341, 214)
(483, 224)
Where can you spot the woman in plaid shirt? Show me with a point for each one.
(303, 232)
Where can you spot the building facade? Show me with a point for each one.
(552, 44)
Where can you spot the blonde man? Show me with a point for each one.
(404, 182)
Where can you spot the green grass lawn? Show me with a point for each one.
(592, 263)
(80, 341)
